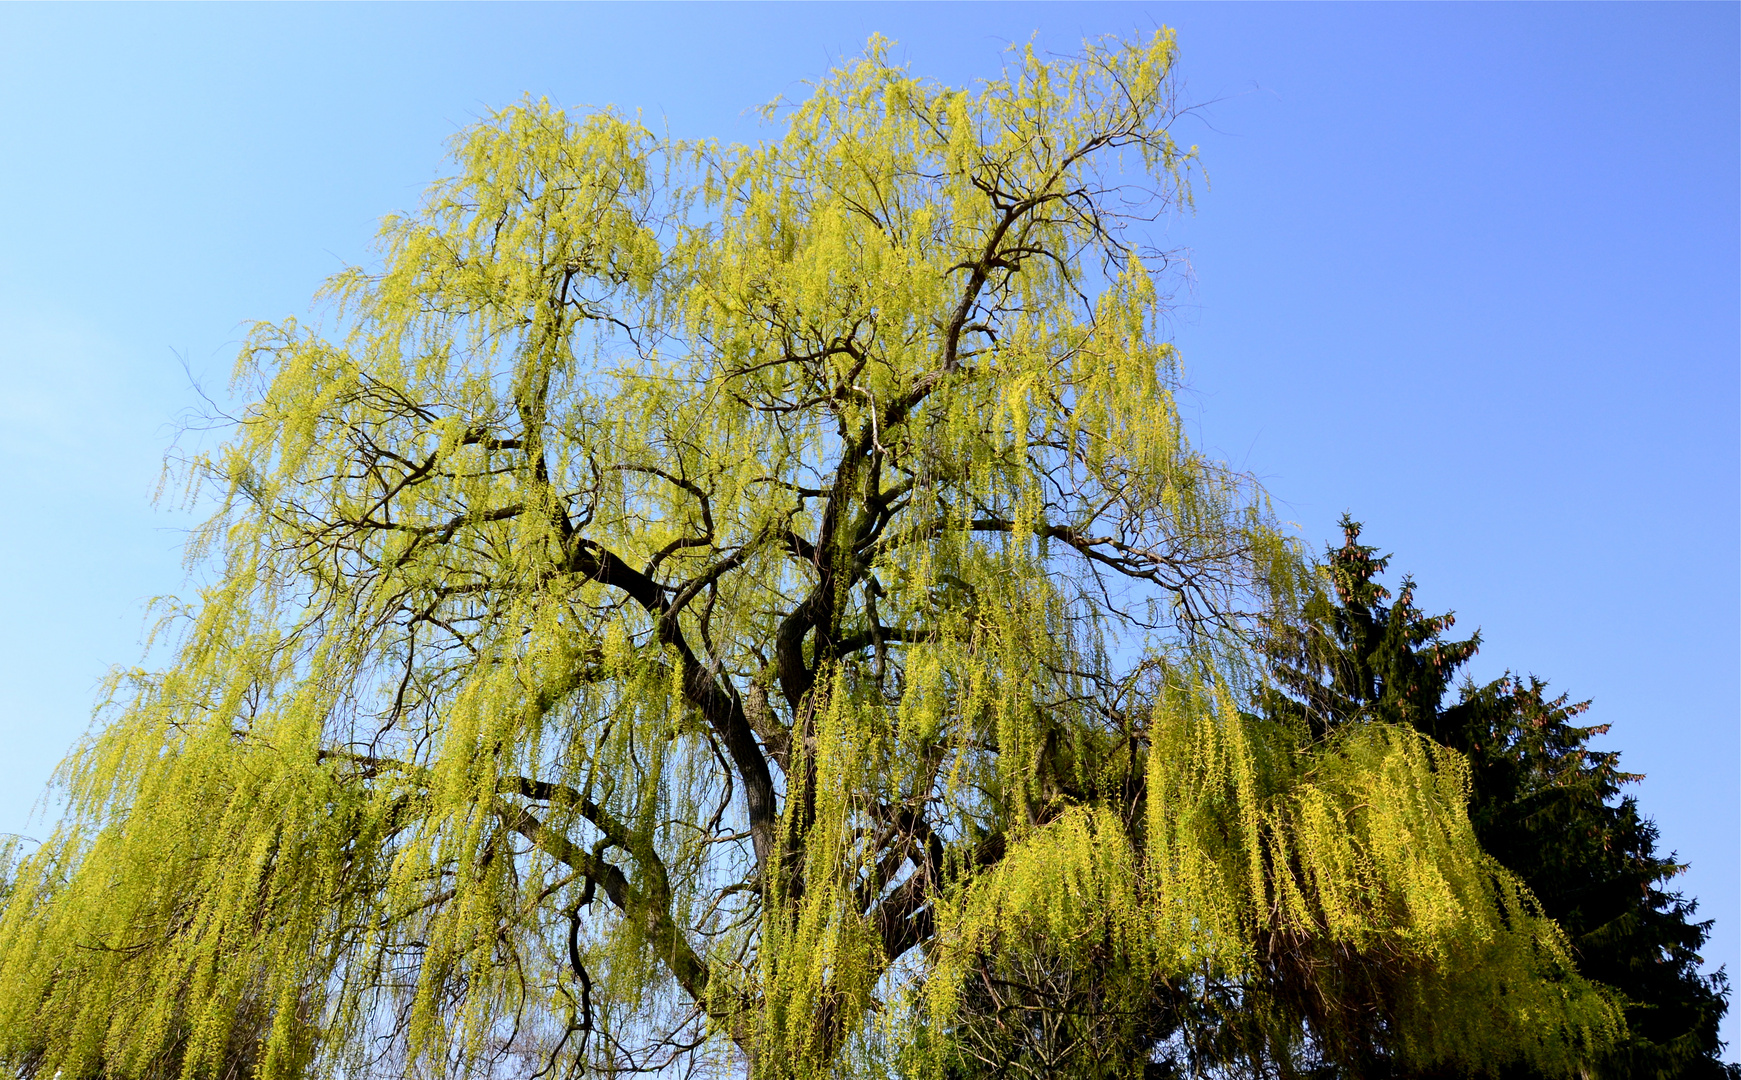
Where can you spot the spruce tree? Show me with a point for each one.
(1544, 802)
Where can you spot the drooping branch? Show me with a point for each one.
(652, 913)
(720, 706)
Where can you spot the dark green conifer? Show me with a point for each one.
(1544, 803)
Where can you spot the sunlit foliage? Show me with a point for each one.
(740, 608)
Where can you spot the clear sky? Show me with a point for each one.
(1468, 272)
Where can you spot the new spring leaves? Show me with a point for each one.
(750, 604)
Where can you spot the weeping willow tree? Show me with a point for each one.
(752, 609)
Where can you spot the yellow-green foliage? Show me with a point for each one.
(1253, 840)
(692, 600)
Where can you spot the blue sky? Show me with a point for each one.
(1468, 272)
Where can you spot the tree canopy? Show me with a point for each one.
(755, 607)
